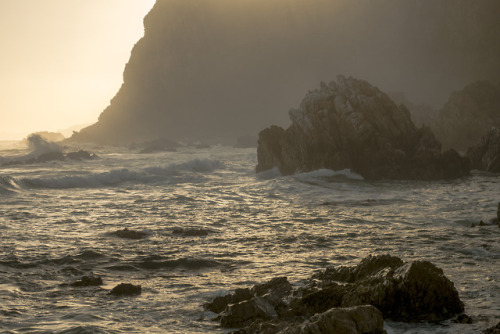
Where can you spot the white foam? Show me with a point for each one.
(118, 176)
(328, 173)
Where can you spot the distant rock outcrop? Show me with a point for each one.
(468, 115)
(214, 70)
(486, 154)
(350, 124)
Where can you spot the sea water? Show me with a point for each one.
(57, 219)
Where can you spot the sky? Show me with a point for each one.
(61, 61)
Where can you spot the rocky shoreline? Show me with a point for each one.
(344, 300)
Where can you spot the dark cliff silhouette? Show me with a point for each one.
(216, 70)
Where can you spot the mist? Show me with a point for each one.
(224, 68)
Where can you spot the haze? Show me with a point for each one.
(62, 60)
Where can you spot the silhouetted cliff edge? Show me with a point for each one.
(216, 70)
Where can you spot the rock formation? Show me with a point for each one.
(416, 291)
(468, 115)
(350, 124)
(486, 154)
(210, 70)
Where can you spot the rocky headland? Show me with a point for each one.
(217, 70)
(343, 299)
(350, 124)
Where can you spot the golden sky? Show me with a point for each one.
(61, 61)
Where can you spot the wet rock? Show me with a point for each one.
(80, 155)
(486, 154)
(126, 289)
(493, 330)
(243, 313)
(463, 319)
(350, 124)
(88, 281)
(415, 291)
(192, 232)
(356, 320)
(220, 303)
(129, 234)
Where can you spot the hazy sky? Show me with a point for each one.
(61, 61)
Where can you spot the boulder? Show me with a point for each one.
(126, 289)
(338, 297)
(244, 313)
(486, 154)
(350, 124)
(80, 155)
(129, 234)
(493, 330)
(87, 281)
(356, 320)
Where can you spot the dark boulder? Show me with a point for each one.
(356, 320)
(220, 303)
(486, 154)
(129, 234)
(50, 156)
(493, 330)
(350, 124)
(80, 155)
(126, 289)
(87, 281)
(245, 312)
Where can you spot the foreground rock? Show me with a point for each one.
(493, 330)
(126, 289)
(486, 154)
(416, 291)
(361, 319)
(350, 124)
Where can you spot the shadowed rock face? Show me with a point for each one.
(486, 154)
(352, 124)
(223, 68)
(468, 115)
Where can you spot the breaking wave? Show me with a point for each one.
(118, 176)
(8, 185)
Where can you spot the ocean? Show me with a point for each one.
(57, 221)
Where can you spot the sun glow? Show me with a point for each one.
(62, 61)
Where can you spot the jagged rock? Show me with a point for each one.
(416, 291)
(356, 320)
(126, 289)
(220, 303)
(463, 319)
(468, 115)
(493, 330)
(350, 124)
(245, 312)
(129, 234)
(486, 154)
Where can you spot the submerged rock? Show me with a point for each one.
(350, 124)
(87, 281)
(486, 154)
(416, 291)
(129, 234)
(126, 289)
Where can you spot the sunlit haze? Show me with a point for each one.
(62, 61)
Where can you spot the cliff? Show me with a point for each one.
(216, 70)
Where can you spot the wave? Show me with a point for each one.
(122, 175)
(8, 185)
(329, 174)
